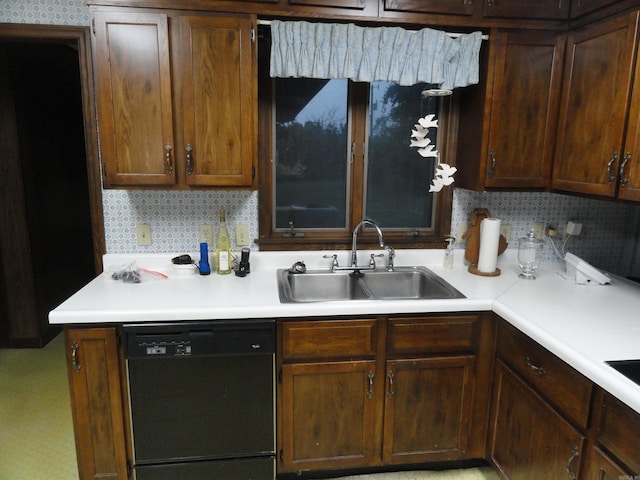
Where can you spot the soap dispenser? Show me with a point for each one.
(448, 253)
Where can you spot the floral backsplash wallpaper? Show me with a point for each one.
(610, 235)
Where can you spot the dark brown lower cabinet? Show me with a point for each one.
(96, 398)
(601, 467)
(364, 392)
(427, 411)
(329, 414)
(529, 439)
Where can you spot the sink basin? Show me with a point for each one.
(408, 283)
(403, 283)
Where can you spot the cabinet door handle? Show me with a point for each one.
(370, 375)
(167, 158)
(533, 366)
(492, 168)
(574, 454)
(74, 357)
(391, 391)
(189, 157)
(624, 179)
(614, 157)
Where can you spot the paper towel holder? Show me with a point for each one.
(472, 237)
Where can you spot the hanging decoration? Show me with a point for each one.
(420, 140)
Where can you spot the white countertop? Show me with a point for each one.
(583, 325)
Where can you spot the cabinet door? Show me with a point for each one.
(529, 440)
(601, 467)
(135, 118)
(427, 415)
(453, 7)
(551, 9)
(524, 109)
(329, 415)
(96, 401)
(219, 92)
(629, 171)
(593, 110)
(581, 7)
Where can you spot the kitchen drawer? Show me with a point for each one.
(417, 335)
(561, 385)
(618, 431)
(329, 339)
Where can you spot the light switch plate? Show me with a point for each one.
(242, 235)
(143, 233)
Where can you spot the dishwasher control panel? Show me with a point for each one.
(199, 338)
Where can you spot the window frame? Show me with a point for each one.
(358, 98)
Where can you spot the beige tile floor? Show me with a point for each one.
(36, 433)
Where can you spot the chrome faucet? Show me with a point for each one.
(354, 241)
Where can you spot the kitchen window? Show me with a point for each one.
(333, 152)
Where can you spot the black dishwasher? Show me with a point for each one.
(202, 399)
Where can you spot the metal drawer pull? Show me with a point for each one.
(614, 157)
(167, 158)
(189, 157)
(370, 375)
(492, 168)
(74, 357)
(535, 368)
(574, 454)
(623, 179)
(391, 391)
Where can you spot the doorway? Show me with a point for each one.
(51, 224)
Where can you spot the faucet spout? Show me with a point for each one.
(354, 240)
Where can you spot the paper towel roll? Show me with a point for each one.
(489, 240)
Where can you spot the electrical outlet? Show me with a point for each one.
(572, 229)
(143, 233)
(505, 230)
(462, 229)
(538, 229)
(206, 234)
(242, 235)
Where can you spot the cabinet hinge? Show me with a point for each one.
(93, 25)
(281, 455)
(253, 34)
(253, 172)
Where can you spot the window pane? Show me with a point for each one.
(398, 178)
(311, 168)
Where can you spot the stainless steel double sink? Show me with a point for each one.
(402, 283)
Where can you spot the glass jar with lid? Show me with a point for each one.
(529, 251)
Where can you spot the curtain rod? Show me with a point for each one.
(449, 34)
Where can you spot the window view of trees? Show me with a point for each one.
(312, 171)
(397, 194)
(311, 153)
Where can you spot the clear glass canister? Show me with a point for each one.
(529, 250)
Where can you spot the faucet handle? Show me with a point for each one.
(372, 260)
(334, 261)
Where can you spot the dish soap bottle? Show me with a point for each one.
(223, 248)
(448, 253)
